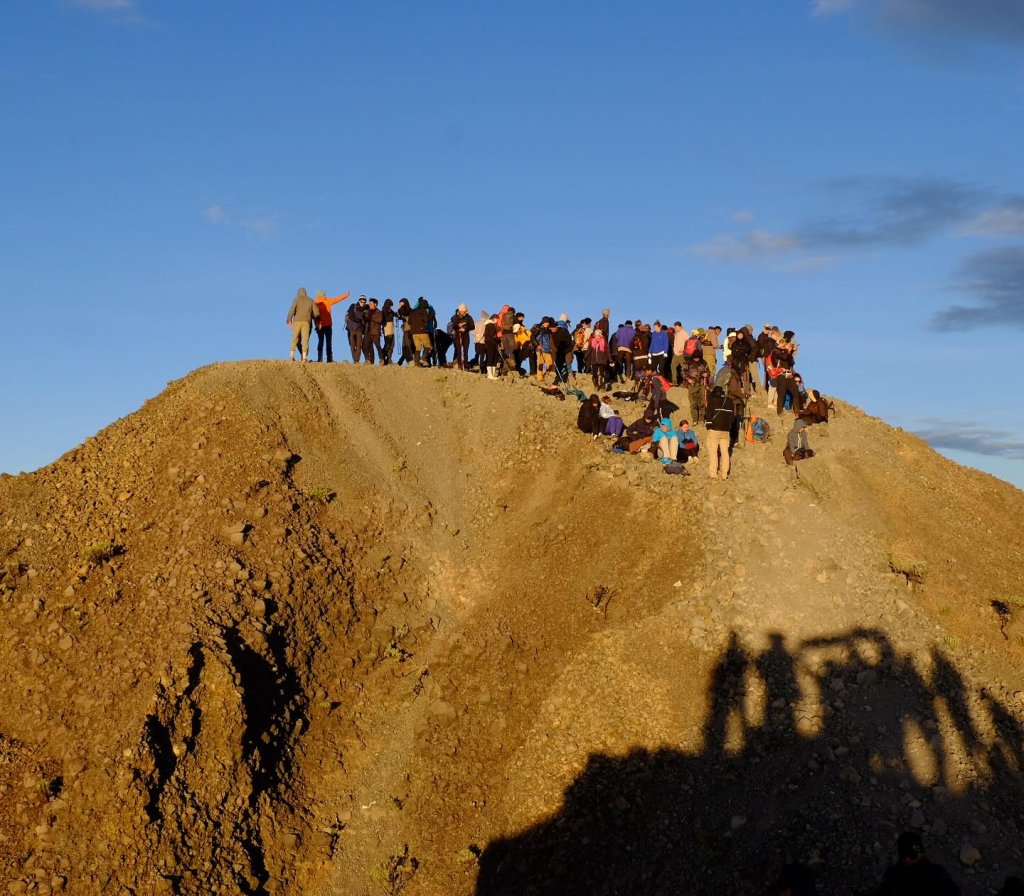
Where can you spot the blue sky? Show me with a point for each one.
(849, 169)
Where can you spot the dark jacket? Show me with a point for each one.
(463, 321)
(720, 412)
(765, 345)
(641, 429)
(419, 319)
(589, 419)
(561, 342)
(373, 321)
(355, 318)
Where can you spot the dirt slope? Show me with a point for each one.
(328, 630)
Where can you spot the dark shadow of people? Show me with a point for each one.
(852, 743)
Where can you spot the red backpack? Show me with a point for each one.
(692, 348)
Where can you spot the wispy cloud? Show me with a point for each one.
(994, 281)
(744, 215)
(124, 11)
(1006, 220)
(874, 212)
(957, 20)
(752, 246)
(891, 211)
(262, 226)
(975, 438)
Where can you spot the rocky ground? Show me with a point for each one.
(333, 630)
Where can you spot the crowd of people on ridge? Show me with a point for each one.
(651, 357)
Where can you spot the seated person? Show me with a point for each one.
(666, 441)
(637, 435)
(613, 424)
(589, 419)
(689, 445)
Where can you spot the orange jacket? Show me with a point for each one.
(324, 304)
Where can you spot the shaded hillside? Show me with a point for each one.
(324, 629)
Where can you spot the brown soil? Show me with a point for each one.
(332, 630)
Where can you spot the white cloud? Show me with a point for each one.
(744, 215)
(215, 214)
(1008, 221)
(262, 226)
(753, 246)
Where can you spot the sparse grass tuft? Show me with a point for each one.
(101, 551)
(952, 642)
(396, 873)
(320, 493)
(911, 568)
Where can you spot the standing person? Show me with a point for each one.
(624, 349)
(403, 312)
(720, 423)
(542, 337)
(478, 340)
(463, 327)
(641, 346)
(324, 324)
(524, 345)
(679, 337)
(419, 321)
(506, 321)
(355, 324)
(491, 347)
(597, 358)
(580, 343)
(387, 315)
(373, 328)
(913, 873)
(696, 378)
(604, 323)
(766, 342)
(561, 351)
(300, 316)
(710, 346)
(659, 349)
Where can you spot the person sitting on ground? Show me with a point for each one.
(637, 435)
(589, 418)
(689, 445)
(913, 873)
(665, 441)
(613, 424)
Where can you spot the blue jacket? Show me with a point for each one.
(659, 342)
(624, 337)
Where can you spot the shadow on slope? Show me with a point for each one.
(820, 752)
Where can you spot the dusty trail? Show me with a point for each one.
(351, 618)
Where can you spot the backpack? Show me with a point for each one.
(692, 348)
(758, 430)
(676, 469)
(580, 338)
(637, 344)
